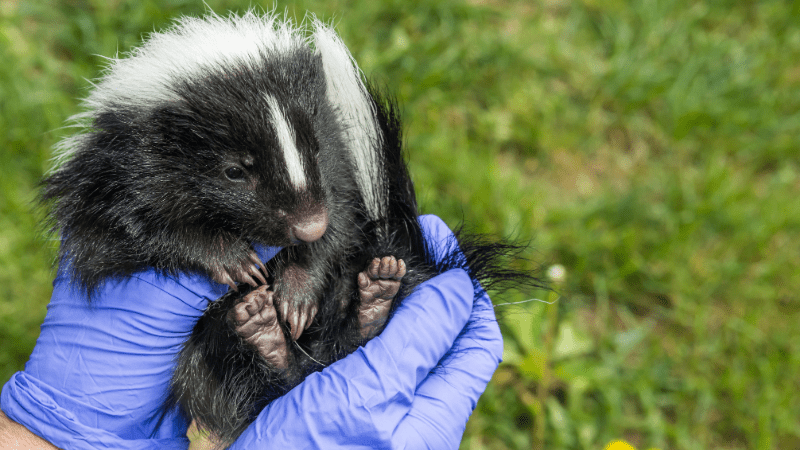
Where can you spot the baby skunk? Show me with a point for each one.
(213, 136)
(221, 134)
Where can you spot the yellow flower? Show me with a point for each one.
(619, 445)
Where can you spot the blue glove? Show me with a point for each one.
(99, 374)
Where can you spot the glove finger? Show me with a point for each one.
(482, 330)
(447, 397)
(422, 330)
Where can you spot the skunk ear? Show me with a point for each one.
(345, 90)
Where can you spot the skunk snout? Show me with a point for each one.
(310, 227)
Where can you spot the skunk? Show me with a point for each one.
(224, 133)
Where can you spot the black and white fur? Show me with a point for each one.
(221, 133)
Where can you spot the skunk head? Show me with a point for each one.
(240, 149)
(214, 135)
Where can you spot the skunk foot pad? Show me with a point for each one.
(377, 286)
(256, 322)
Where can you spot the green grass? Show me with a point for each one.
(649, 147)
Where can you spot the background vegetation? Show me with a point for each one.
(649, 147)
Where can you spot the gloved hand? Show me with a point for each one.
(413, 386)
(99, 373)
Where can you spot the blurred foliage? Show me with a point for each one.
(649, 147)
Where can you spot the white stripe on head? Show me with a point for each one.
(347, 93)
(287, 143)
(189, 48)
(146, 78)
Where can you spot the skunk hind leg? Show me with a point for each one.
(256, 321)
(378, 284)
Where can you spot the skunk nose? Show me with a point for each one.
(310, 228)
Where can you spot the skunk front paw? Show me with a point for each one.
(296, 298)
(247, 271)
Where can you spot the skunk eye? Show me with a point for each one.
(234, 173)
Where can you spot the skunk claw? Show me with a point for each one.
(311, 316)
(246, 278)
(226, 279)
(258, 268)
